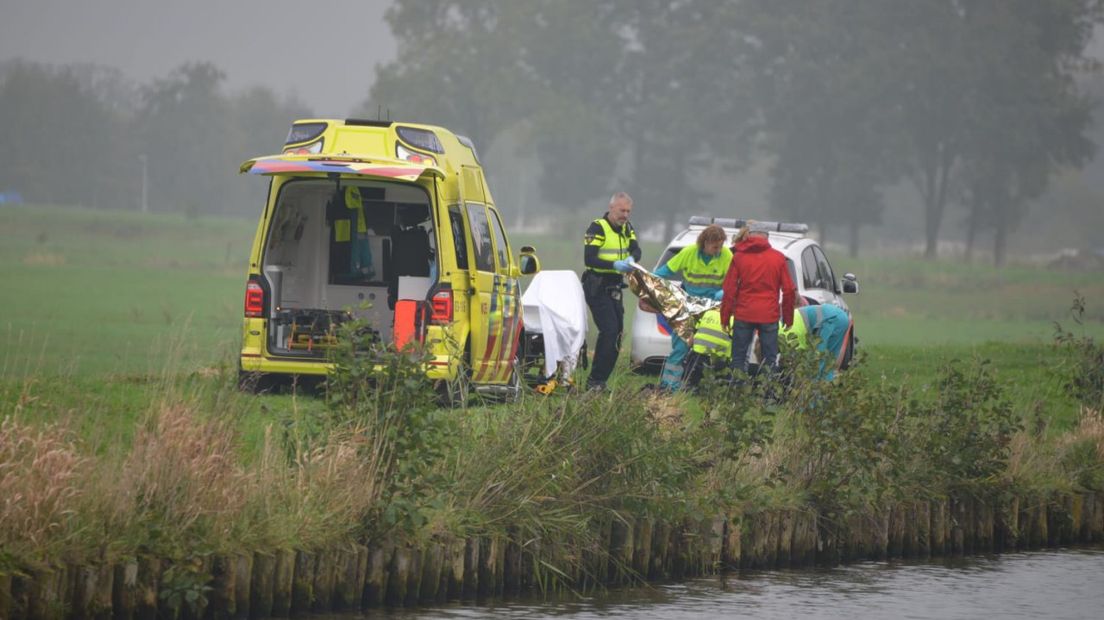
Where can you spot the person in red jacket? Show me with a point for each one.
(755, 278)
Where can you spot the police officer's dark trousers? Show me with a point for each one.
(603, 297)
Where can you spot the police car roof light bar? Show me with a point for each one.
(729, 222)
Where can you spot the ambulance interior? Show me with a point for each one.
(342, 249)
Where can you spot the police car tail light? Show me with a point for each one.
(413, 157)
(254, 298)
(440, 307)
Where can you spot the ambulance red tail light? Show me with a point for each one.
(413, 157)
(440, 307)
(313, 148)
(254, 298)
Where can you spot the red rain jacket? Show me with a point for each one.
(757, 273)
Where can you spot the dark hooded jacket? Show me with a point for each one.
(753, 282)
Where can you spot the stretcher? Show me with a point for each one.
(554, 342)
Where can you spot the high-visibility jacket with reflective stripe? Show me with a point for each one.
(710, 337)
(689, 266)
(798, 334)
(612, 245)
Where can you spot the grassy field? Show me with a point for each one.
(122, 431)
(104, 307)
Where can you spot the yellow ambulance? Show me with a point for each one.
(391, 223)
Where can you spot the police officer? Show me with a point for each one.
(609, 249)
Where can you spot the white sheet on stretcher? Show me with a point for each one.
(554, 305)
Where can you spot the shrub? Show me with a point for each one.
(382, 401)
(1084, 366)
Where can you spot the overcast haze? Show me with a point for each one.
(325, 53)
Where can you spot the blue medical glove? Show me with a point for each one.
(719, 295)
(622, 266)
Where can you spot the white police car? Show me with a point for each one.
(809, 267)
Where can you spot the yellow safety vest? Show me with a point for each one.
(343, 227)
(710, 337)
(798, 334)
(612, 245)
(694, 271)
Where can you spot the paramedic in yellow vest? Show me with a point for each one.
(829, 324)
(702, 268)
(609, 250)
(353, 229)
(711, 347)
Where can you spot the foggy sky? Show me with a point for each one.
(308, 49)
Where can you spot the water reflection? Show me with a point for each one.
(1052, 584)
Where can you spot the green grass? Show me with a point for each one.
(100, 305)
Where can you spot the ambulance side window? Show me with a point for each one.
(501, 247)
(481, 238)
(459, 240)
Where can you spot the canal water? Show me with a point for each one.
(1056, 585)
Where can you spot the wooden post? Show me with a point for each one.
(620, 551)
(242, 566)
(1088, 508)
(283, 582)
(897, 516)
(432, 561)
(6, 603)
(642, 546)
(804, 548)
(302, 585)
(716, 543)
(1006, 525)
(148, 587)
(1097, 528)
(471, 569)
(399, 579)
(732, 546)
(261, 585)
(221, 599)
(939, 527)
(124, 594)
(985, 527)
(379, 570)
(323, 581)
(923, 528)
(660, 543)
(346, 591)
(827, 541)
(91, 595)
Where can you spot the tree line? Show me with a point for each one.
(975, 105)
(86, 135)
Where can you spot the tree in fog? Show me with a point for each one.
(824, 88)
(182, 126)
(1026, 116)
(195, 136)
(63, 135)
(610, 94)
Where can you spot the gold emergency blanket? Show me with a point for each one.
(680, 309)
